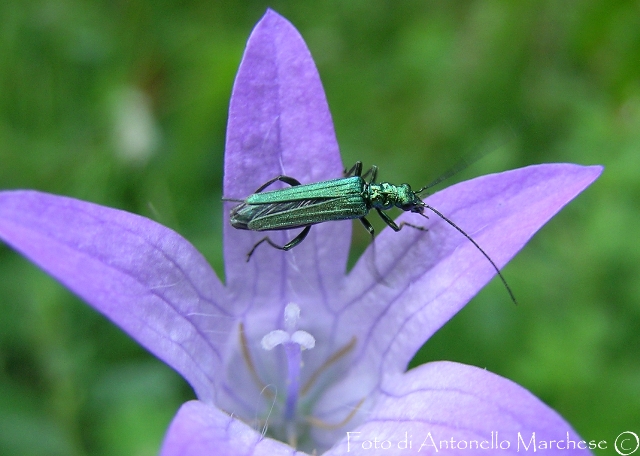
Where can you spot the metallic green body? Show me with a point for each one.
(351, 197)
(302, 205)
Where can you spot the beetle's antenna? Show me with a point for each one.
(461, 231)
(466, 161)
(455, 169)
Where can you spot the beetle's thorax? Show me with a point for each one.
(384, 196)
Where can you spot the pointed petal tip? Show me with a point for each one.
(590, 173)
(594, 170)
(271, 12)
(597, 169)
(272, 17)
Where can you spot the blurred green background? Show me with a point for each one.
(124, 103)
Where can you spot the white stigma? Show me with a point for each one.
(290, 334)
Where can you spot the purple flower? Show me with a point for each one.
(293, 352)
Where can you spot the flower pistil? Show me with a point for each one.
(294, 341)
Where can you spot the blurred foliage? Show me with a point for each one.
(124, 104)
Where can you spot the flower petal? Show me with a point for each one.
(437, 402)
(146, 278)
(279, 124)
(429, 276)
(200, 429)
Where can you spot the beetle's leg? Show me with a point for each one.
(373, 172)
(297, 240)
(286, 179)
(356, 170)
(368, 227)
(373, 262)
(396, 227)
(288, 246)
(417, 227)
(388, 220)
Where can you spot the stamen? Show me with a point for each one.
(335, 357)
(329, 426)
(244, 345)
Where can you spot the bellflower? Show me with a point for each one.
(293, 353)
